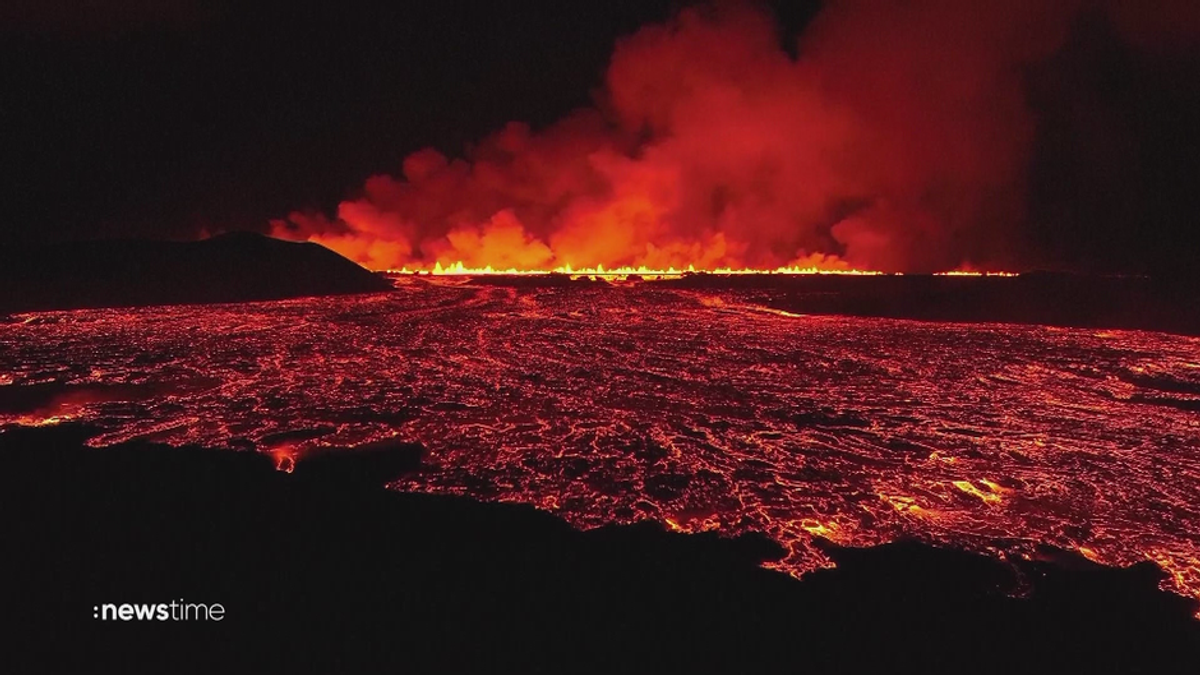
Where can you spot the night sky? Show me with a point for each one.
(138, 118)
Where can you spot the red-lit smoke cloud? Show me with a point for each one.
(899, 138)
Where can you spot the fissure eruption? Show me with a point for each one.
(895, 136)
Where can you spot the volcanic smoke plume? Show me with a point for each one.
(897, 137)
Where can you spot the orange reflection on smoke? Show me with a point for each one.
(698, 408)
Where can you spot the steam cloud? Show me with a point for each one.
(898, 138)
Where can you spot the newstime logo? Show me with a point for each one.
(175, 610)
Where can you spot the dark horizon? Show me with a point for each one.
(133, 119)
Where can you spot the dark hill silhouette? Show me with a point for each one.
(236, 267)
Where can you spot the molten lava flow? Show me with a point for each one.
(699, 409)
(973, 273)
(459, 269)
(285, 458)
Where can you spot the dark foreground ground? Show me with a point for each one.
(322, 571)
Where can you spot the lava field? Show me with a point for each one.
(701, 409)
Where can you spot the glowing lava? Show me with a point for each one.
(623, 272)
(459, 269)
(702, 410)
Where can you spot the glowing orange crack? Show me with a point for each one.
(460, 269)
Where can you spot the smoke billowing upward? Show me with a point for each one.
(894, 136)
